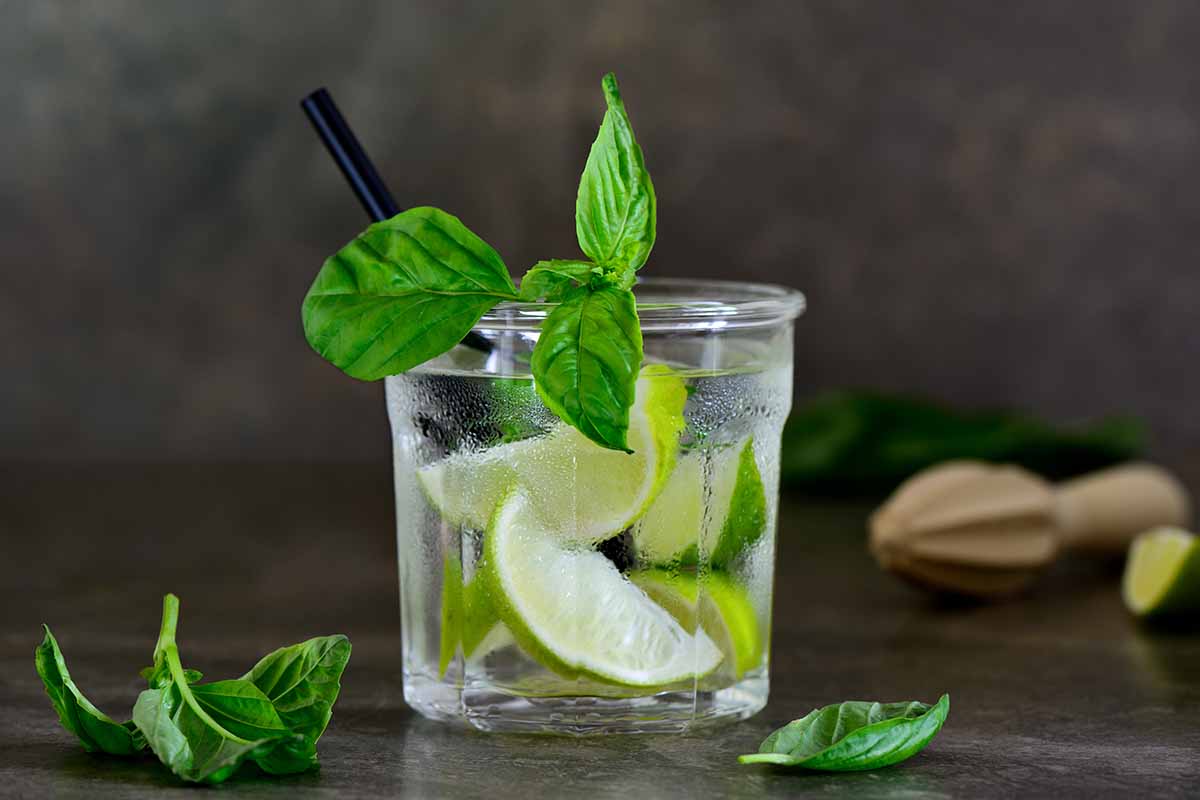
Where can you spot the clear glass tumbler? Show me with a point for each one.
(550, 585)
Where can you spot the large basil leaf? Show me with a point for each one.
(96, 730)
(191, 744)
(203, 733)
(303, 681)
(854, 735)
(241, 708)
(550, 280)
(615, 213)
(586, 361)
(406, 290)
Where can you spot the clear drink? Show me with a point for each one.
(548, 585)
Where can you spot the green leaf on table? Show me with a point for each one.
(586, 361)
(406, 290)
(151, 675)
(550, 280)
(195, 747)
(241, 708)
(852, 736)
(203, 733)
(303, 681)
(615, 213)
(95, 729)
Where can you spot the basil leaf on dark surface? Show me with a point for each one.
(95, 729)
(190, 743)
(189, 727)
(550, 280)
(151, 674)
(303, 681)
(241, 708)
(615, 211)
(586, 361)
(406, 290)
(852, 736)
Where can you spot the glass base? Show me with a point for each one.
(485, 708)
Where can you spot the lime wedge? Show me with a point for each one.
(468, 618)
(572, 610)
(479, 621)
(674, 525)
(1162, 575)
(452, 613)
(610, 489)
(723, 610)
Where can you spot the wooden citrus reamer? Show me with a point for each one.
(982, 530)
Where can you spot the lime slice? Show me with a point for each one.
(723, 610)
(675, 523)
(572, 610)
(610, 489)
(1162, 575)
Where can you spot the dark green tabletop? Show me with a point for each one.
(1056, 694)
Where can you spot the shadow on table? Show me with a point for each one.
(66, 771)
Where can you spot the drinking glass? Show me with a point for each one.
(550, 585)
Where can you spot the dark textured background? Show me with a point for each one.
(992, 203)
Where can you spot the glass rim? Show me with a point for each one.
(676, 304)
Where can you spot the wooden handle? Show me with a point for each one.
(1104, 511)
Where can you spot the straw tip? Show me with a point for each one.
(315, 94)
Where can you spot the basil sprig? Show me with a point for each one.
(853, 736)
(203, 732)
(411, 287)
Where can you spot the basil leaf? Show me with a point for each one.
(302, 682)
(189, 743)
(586, 360)
(96, 730)
(406, 290)
(553, 279)
(241, 708)
(615, 211)
(204, 733)
(853, 736)
(151, 675)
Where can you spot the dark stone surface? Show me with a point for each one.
(1056, 694)
(992, 203)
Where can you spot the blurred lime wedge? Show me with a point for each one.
(584, 492)
(572, 610)
(723, 610)
(675, 524)
(1162, 575)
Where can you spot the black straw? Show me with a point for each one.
(360, 173)
(351, 159)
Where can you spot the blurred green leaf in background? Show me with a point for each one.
(861, 442)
